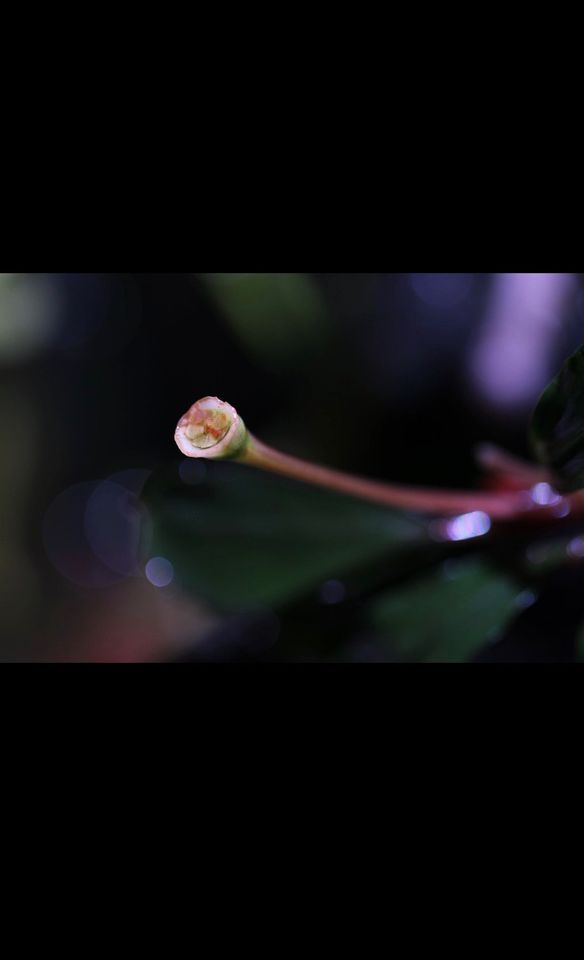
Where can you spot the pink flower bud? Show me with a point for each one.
(211, 428)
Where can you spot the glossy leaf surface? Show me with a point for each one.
(557, 428)
(241, 538)
(446, 616)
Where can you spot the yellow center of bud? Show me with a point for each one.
(207, 427)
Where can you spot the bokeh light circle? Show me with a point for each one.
(159, 571)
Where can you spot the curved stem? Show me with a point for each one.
(521, 491)
(504, 505)
(504, 471)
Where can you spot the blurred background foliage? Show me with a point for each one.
(114, 547)
(280, 319)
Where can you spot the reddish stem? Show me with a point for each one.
(500, 506)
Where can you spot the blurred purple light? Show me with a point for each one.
(159, 571)
(525, 599)
(510, 363)
(575, 548)
(544, 495)
(441, 290)
(65, 539)
(468, 525)
(91, 530)
(112, 527)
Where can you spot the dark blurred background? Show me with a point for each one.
(394, 376)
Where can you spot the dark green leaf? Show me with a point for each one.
(241, 538)
(280, 317)
(446, 616)
(557, 428)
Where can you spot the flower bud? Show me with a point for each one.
(211, 428)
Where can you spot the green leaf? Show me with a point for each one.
(557, 428)
(240, 538)
(446, 616)
(280, 317)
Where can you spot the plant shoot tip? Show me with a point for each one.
(211, 428)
